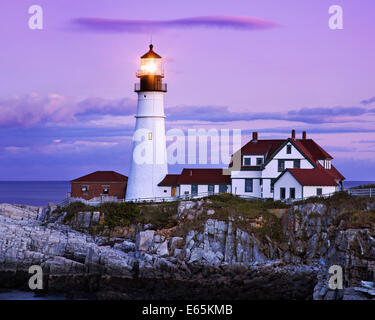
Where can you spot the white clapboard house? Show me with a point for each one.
(279, 169)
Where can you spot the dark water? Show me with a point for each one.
(351, 184)
(34, 193)
(25, 295)
(39, 193)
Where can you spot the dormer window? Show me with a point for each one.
(259, 161)
(327, 164)
(247, 161)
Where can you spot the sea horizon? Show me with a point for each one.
(40, 193)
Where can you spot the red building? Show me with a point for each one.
(99, 184)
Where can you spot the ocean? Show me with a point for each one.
(40, 193)
(33, 193)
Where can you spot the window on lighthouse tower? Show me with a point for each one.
(150, 136)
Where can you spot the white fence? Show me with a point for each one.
(100, 200)
(362, 192)
(92, 202)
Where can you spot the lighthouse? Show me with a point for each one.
(149, 155)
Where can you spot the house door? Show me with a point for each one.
(174, 191)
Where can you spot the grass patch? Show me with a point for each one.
(161, 215)
(364, 186)
(251, 216)
(126, 213)
(357, 219)
(341, 201)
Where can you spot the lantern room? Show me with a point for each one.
(151, 72)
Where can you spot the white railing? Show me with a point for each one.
(100, 200)
(370, 192)
(92, 202)
(175, 198)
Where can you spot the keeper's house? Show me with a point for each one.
(279, 169)
(100, 185)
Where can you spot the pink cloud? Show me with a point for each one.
(33, 109)
(145, 26)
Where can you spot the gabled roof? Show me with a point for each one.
(196, 176)
(102, 176)
(269, 148)
(311, 177)
(264, 147)
(313, 150)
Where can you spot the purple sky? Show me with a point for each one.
(66, 92)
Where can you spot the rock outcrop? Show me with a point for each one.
(217, 260)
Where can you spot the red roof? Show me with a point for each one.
(267, 147)
(203, 176)
(312, 149)
(102, 176)
(335, 173)
(313, 177)
(169, 180)
(196, 176)
(264, 147)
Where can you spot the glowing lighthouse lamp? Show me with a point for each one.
(149, 156)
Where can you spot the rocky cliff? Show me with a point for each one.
(209, 252)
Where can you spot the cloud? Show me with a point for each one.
(34, 109)
(368, 101)
(244, 23)
(304, 115)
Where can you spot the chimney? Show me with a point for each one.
(255, 136)
(304, 135)
(294, 134)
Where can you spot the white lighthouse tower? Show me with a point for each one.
(149, 156)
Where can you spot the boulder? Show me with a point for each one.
(144, 240)
(162, 249)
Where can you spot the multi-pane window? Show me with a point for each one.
(211, 189)
(282, 193)
(85, 190)
(105, 189)
(248, 185)
(297, 164)
(259, 161)
(280, 165)
(288, 149)
(292, 193)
